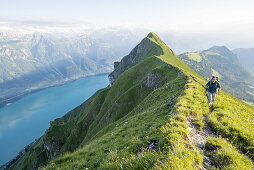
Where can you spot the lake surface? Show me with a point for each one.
(28, 118)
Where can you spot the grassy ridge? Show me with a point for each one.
(125, 142)
(122, 147)
(140, 122)
(231, 117)
(106, 106)
(169, 134)
(223, 151)
(130, 148)
(154, 134)
(127, 92)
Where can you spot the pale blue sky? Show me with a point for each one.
(175, 14)
(198, 23)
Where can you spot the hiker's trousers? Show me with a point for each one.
(211, 97)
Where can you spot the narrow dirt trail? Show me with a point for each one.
(199, 139)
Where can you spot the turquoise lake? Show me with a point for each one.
(28, 118)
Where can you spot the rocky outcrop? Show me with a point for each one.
(153, 80)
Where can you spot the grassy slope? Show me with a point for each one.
(104, 108)
(232, 118)
(125, 143)
(153, 133)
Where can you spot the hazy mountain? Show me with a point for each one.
(220, 61)
(34, 61)
(246, 57)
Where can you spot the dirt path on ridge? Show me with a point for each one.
(199, 138)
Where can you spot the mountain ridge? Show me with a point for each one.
(134, 57)
(140, 122)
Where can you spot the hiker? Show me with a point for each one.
(212, 87)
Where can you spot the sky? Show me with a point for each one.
(210, 19)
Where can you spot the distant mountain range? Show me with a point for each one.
(220, 61)
(30, 62)
(246, 57)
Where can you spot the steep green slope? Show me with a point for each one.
(221, 62)
(133, 144)
(136, 140)
(141, 122)
(106, 106)
(128, 144)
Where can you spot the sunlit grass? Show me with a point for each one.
(123, 144)
(226, 156)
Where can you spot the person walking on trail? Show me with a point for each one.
(212, 87)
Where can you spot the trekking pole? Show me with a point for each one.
(206, 93)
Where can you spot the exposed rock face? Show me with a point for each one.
(137, 54)
(153, 80)
(51, 151)
(179, 74)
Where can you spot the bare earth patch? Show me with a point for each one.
(199, 139)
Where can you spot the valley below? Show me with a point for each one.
(24, 120)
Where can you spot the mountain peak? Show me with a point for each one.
(223, 51)
(154, 37)
(150, 45)
(219, 48)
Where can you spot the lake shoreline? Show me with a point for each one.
(13, 99)
(72, 89)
